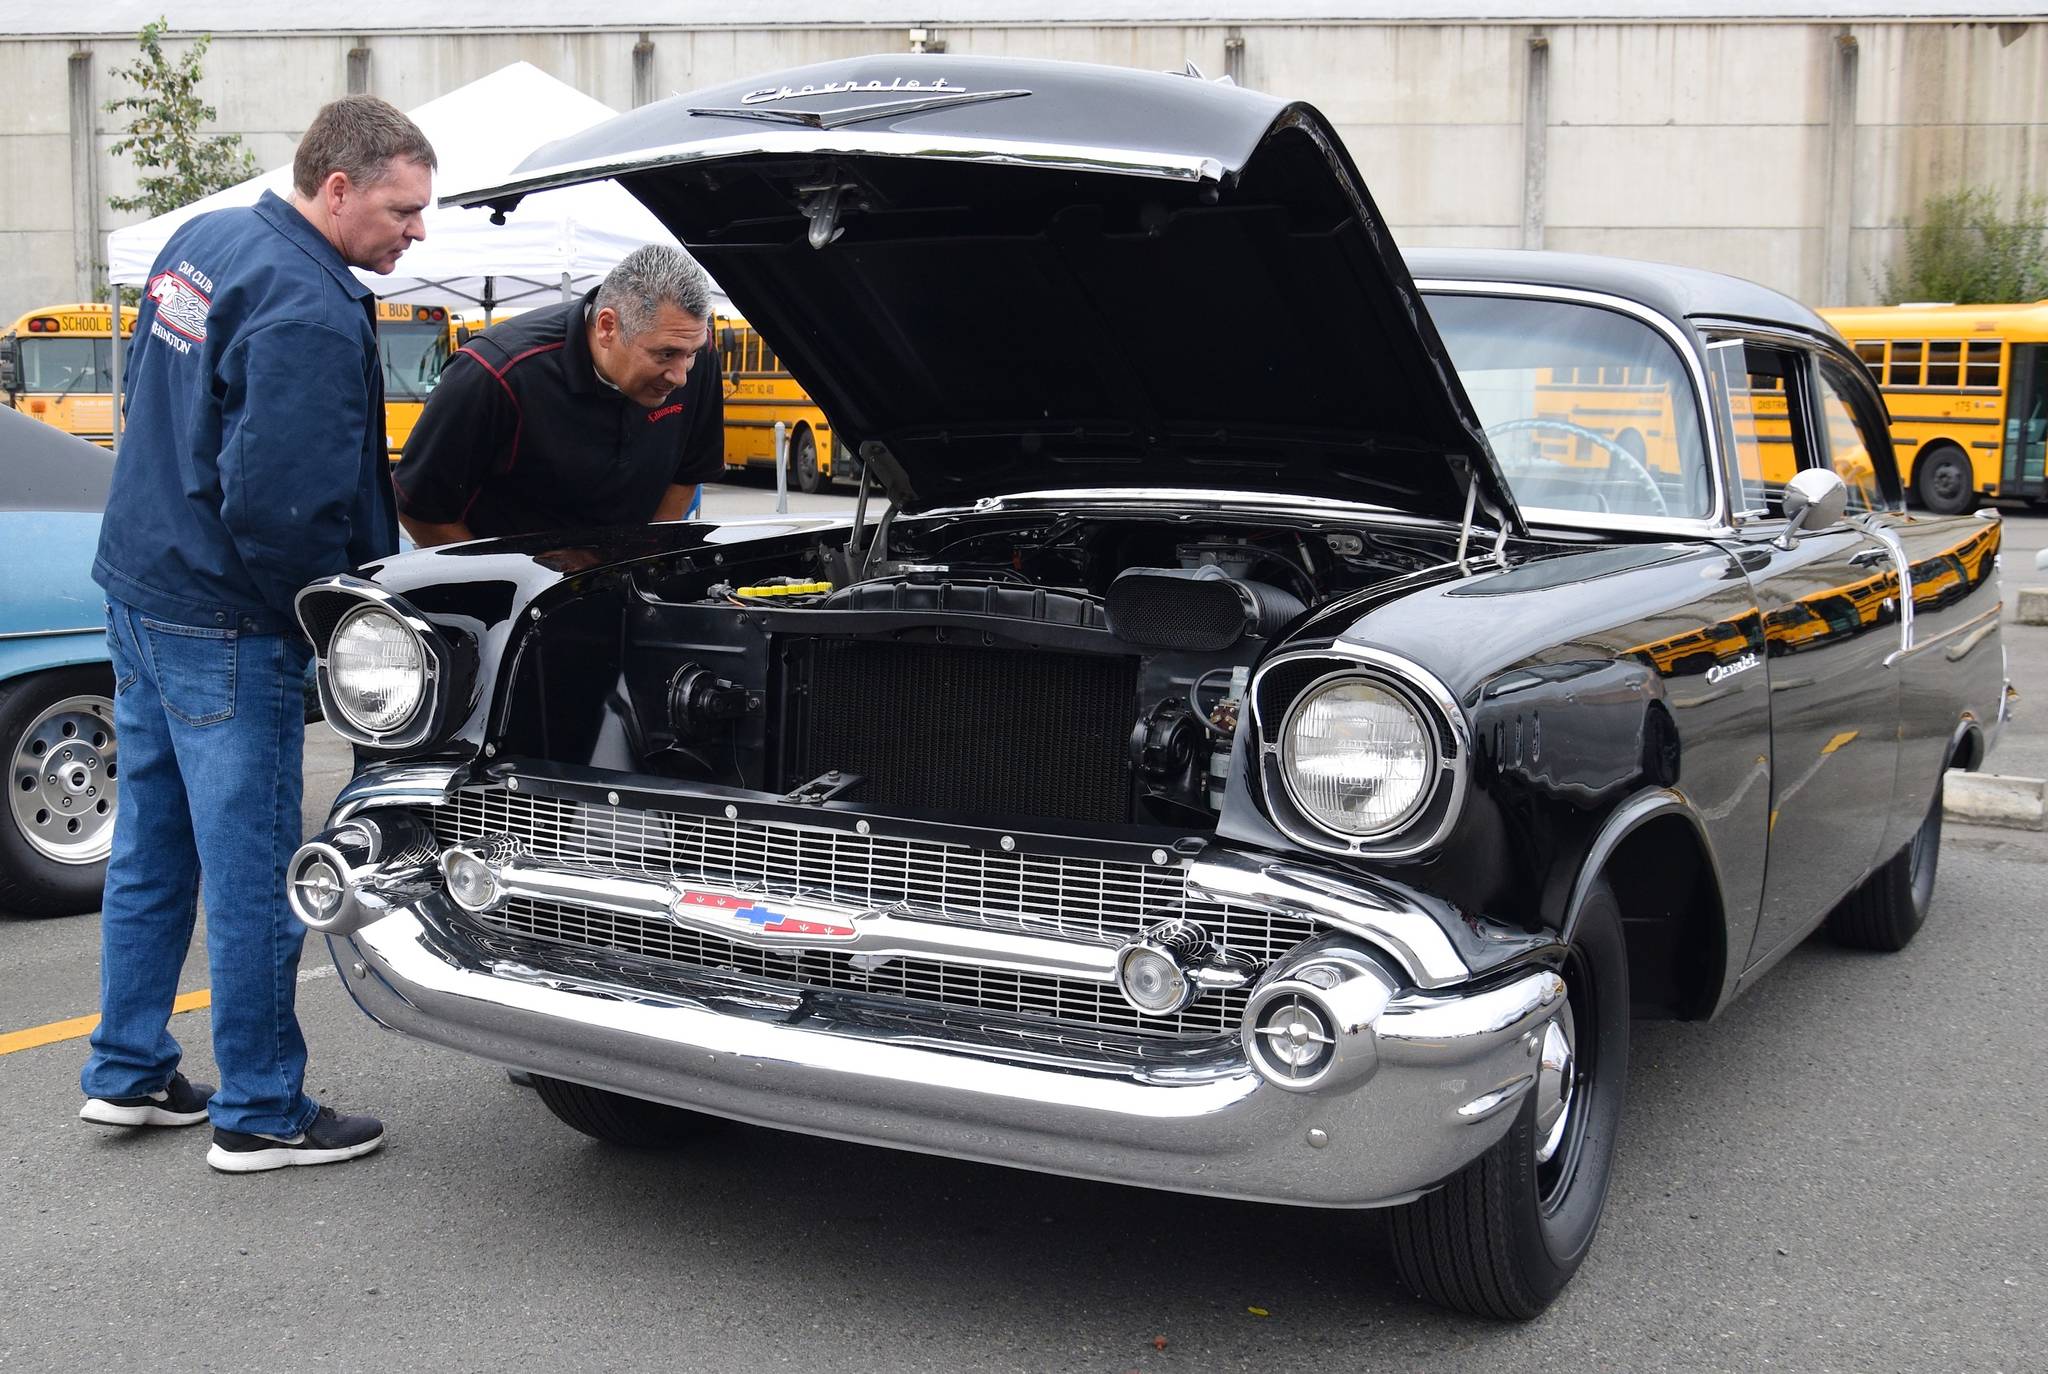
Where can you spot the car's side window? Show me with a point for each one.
(1857, 445)
(1759, 393)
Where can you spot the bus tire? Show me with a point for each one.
(803, 462)
(1942, 480)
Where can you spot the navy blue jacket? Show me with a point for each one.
(252, 456)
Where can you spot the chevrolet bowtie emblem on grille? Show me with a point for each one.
(732, 914)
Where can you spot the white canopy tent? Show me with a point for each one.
(480, 132)
(557, 243)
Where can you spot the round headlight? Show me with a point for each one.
(1358, 758)
(377, 669)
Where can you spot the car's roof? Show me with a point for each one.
(1677, 292)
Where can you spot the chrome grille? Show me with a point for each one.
(1112, 899)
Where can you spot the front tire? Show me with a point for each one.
(1891, 905)
(1943, 482)
(615, 1118)
(1503, 1237)
(63, 787)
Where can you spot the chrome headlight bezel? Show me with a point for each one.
(326, 606)
(1299, 676)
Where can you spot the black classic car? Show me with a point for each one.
(1277, 712)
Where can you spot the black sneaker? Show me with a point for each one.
(330, 1139)
(180, 1102)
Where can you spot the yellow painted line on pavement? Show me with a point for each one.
(56, 1032)
(79, 1026)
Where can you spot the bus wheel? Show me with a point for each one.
(1942, 481)
(803, 463)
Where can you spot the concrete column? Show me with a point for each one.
(1836, 288)
(359, 68)
(643, 72)
(85, 179)
(1233, 56)
(1535, 138)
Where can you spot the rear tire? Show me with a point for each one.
(803, 464)
(615, 1118)
(1891, 905)
(1943, 481)
(1503, 1237)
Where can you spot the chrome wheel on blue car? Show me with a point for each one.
(63, 788)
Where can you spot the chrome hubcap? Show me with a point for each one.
(1557, 1068)
(63, 783)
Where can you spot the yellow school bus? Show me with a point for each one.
(415, 343)
(758, 392)
(1967, 387)
(57, 364)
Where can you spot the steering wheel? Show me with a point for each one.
(1617, 454)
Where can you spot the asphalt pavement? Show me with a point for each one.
(1844, 1171)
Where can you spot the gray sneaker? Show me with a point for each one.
(180, 1102)
(328, 1139)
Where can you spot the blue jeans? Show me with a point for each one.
(211, 731)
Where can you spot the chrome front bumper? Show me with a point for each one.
(1449, 1068)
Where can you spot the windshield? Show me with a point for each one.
(72, 366)
(1588, 410)
(413, 355)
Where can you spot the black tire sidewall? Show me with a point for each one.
(1553, 1244)
(1924, 480)
(804, 475)
(32, 883)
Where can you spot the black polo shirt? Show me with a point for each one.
(521, 434)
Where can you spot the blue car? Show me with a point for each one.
(56, 688)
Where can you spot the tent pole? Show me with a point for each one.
(567, 294)
(490, 298)
(114, 366)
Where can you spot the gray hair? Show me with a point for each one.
(359, 135)
(648, 278)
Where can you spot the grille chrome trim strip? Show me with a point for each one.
(895, 930)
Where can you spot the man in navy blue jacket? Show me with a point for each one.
(252, 462)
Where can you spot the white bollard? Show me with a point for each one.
(781, 469)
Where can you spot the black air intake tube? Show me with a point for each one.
(1200, 609)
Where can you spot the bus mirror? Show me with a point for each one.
(10, 363)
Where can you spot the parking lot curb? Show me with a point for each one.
(2032, 608)
(1989, 799)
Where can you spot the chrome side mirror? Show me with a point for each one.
(1815, 499)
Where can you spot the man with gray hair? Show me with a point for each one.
(602, 411)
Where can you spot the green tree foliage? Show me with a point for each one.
(177, 162)
(1964, 247)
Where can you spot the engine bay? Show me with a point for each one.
(1089, 671)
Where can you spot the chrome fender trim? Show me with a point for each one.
(1412, 938)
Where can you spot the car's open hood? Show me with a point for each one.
(1021, 275)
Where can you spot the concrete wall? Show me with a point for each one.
(1785, 152)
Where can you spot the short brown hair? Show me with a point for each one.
(359, 135)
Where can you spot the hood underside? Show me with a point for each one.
(1025, 275)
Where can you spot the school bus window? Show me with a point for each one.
(1905, 368)
(1944, 362)
(1983, 365)
(1959, 382)
(1871, 351)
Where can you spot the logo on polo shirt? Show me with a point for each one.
(664, 412)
